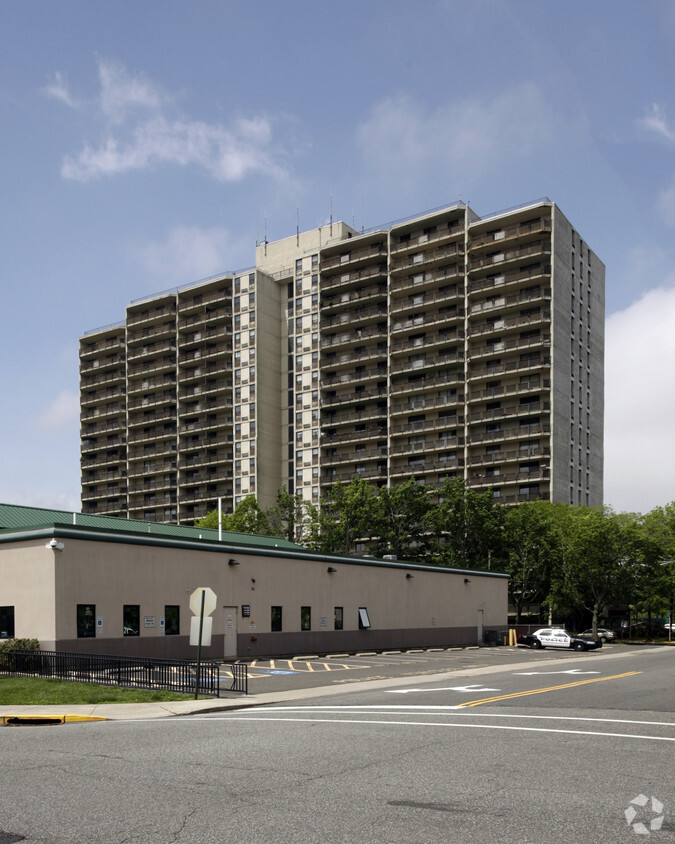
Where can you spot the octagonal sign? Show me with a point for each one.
(210, 600)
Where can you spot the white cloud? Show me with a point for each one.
(121, 92)
(640, 402)
(655, 122)
(402, 138)
(141, 132)
(58, 90)
(187, 254)
(61, 412)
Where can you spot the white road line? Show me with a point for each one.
(435, 710)
(438, 724)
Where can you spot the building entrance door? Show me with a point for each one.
(230, 649)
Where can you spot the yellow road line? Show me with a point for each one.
(548, 689)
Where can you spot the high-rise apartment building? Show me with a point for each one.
(444, 345)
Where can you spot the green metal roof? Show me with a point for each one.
(16, 517)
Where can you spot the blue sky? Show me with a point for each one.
(148, 145)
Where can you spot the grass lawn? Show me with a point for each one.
(35, 691)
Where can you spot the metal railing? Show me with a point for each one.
(127, 671)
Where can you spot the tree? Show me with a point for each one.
(247, 518)
(465, 526)
(399, 520)
(532, 544)
(601, 549)
(346, 515)
(654, 582)
(288, 516)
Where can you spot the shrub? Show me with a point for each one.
(19, 645)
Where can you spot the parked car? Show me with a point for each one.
(604, 634)
(552, 637)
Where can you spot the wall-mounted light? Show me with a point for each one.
(232, 562)
(54, 545)
(409, 576)
(331, 570)
(466, 580)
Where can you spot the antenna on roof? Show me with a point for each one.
(362, 216)
(265, 236)
(331, 215)
(297, 226)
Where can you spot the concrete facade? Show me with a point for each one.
(445, 345)
(54, 575)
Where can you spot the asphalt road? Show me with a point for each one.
(522, 748)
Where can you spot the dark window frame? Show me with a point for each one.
(276, 619)
(131, 620)
(7, 622)
(171, 620)
(86, 629)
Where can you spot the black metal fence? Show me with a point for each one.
(128, 671)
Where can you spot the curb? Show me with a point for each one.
(44, 720)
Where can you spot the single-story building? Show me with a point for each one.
(96, 584)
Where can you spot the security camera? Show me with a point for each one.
(54, 545)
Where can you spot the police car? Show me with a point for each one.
(553, 637)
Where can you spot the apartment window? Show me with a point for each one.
(131, 618)
(305, 618)
(7, 622)
(339, 618)
(86, 621)
(275, 619)
(171, 620)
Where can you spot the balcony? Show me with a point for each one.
(511, 455)
(352, 397)
(427, 379)
(109, 362)
(359, 377)
(513, 389)
(427, 361)
(513, 300)
(146, 316)
(541, 274)
(351, 255)
(510, 345)
(334, 438)
(426, 258)
(89, 351)
(425, 234)
(369, 413)
(426, 402)
(515, 432)
(507, 234)
(427, 342)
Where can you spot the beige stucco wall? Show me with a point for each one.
(27, 571)
(111, 574)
